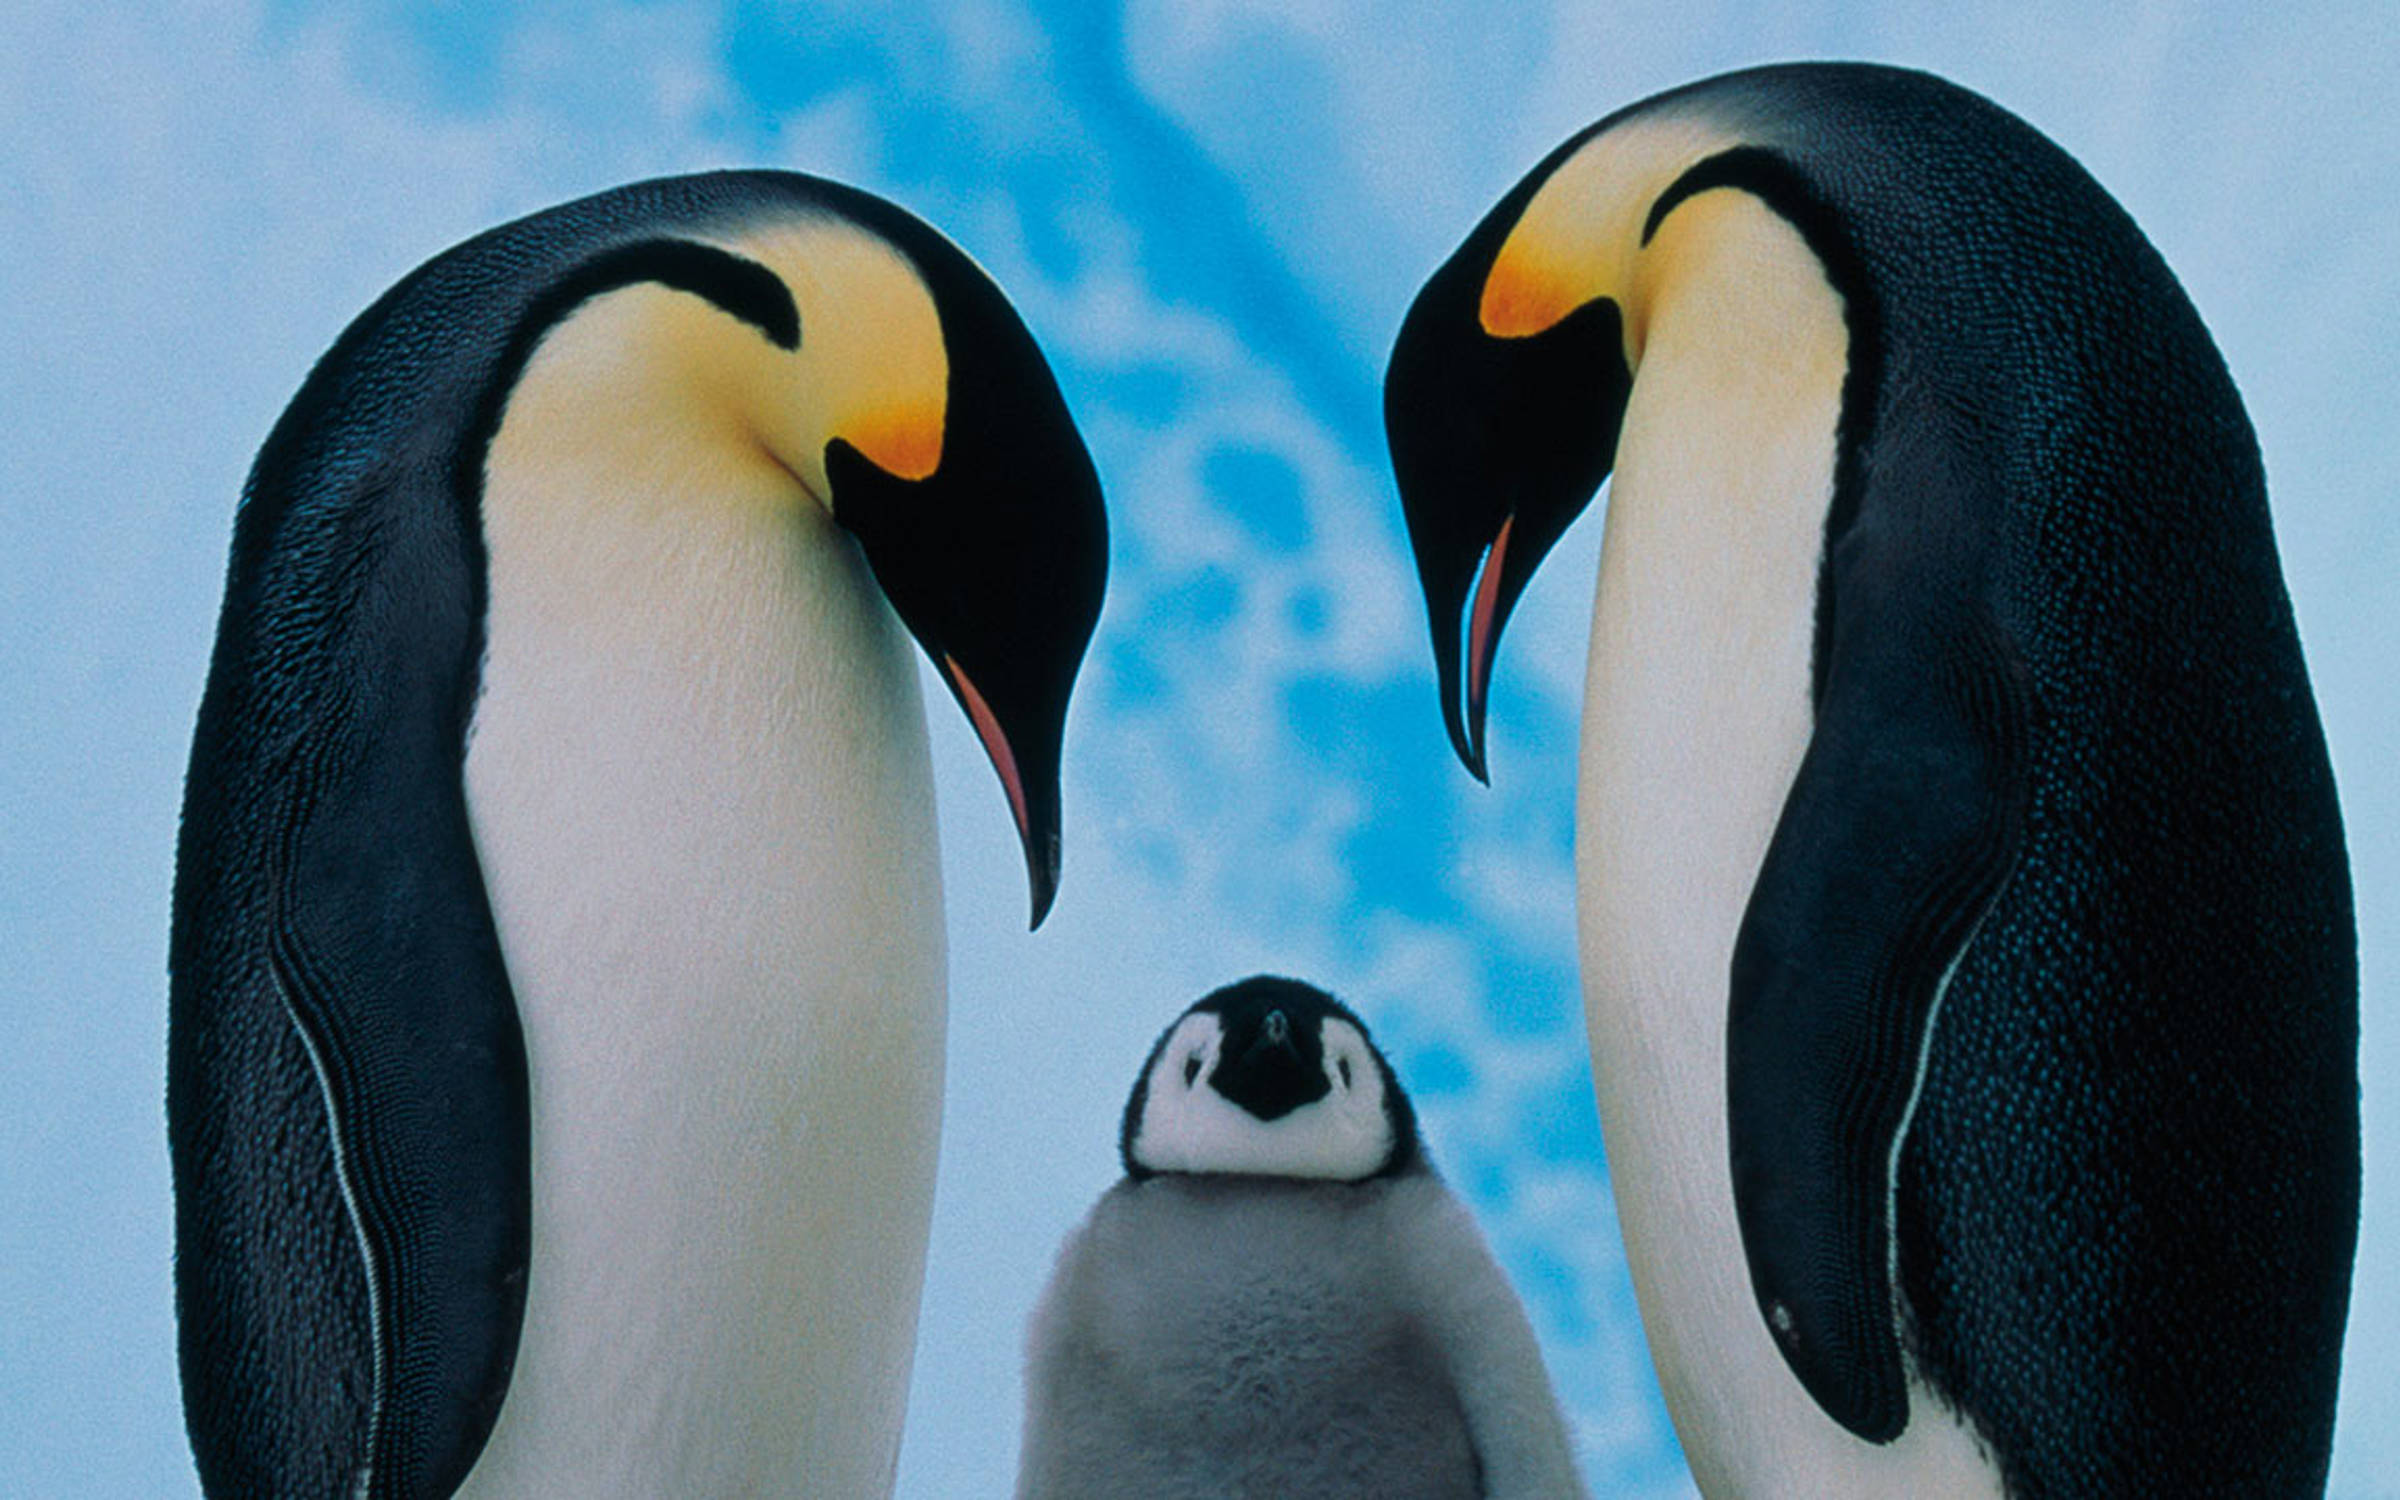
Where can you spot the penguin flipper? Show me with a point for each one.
(347, 1093)
(390, 969)
(1899, 830)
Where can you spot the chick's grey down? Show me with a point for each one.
(1240, 1334)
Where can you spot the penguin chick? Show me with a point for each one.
(1281, 1298)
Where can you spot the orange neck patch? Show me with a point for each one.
(902, 440)
(1523, 295)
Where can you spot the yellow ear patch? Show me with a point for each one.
(1580, 236)
(871, 369)
(902, 439)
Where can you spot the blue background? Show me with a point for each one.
(1213, 215)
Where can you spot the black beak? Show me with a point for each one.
(1500, 580)
(1273, 1074)
(1031, 784)
(1274, 1036)
(1498, 444)
(996, 561)
(1001, 588)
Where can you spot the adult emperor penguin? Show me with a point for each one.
(558, 931)
(1965, 922)
(1280, 1298)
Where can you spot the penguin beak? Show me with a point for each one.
(995, 561)
(1270, 1078)
(1001, 591)
(1497, 445)
(1483, 639)
(1496, 594)
(1037, 820)
(1471, 589)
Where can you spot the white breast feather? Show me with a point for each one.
(702, 798)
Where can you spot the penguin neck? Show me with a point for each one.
(1704, 614)
(701, 794)
(1697, 712)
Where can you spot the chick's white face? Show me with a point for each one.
(1187, 1125)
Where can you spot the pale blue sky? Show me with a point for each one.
(1212, 214)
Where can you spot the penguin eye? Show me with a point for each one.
(1344, 1065)
(1191, 1069)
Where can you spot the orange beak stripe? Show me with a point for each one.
(1480, 644)
(995, 744)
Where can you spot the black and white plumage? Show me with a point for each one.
(556, 1037)
(1966, 926)
(1281, 1298)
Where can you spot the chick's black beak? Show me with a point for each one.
(1273, 1045)
(1272, 1074)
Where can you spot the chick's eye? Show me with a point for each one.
(1191, 1069)
(1344, 1065)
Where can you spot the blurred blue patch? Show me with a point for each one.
(1309, 613)
(1200, 601)
(1146, 394)
(1381, 739)
(1201, 244)
(1437, 1071)
(1551, 1286)
(444, 53)
(1482, 1177)
(1262, 488)
(1561, 1123)
(1155, 856)
(780, 61)
(1133, 678)
(1525, 995)
(1045, 206)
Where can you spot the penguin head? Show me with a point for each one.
(1273, 1078)
(1509, 381)
(915, 407)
